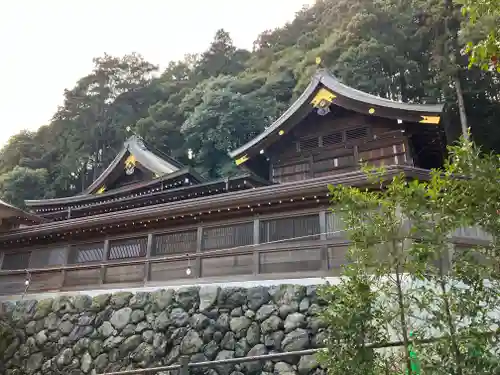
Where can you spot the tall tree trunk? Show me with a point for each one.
(454, 54)
(401, 306)
(461, 106)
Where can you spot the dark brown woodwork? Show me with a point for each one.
(335, 144)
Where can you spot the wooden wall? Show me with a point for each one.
(303, 243)
(337, 143)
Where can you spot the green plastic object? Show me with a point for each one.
(414, 362)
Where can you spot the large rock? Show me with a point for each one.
(120, 299)
(191, 343)
(179, 317)
(230, 298)
(199, 322)
(271, 324)
(106, 330)
(307, 363)
(66, 327)
(121, 317)
(211, 350)
(229, 341)
(64, 358)
(162, 321)
(208, 297)
(296, 340)
(86, 363)
(225, 369)
(239, 325)
(43, 308)
(63, 305)
(187, 297)
(82, 302)
(34, 363)
(162, 299)
(283, 368)
(255, 367)
(257, 297)
(137, 316)
(294, 321)
(99, 302)
(265, 312)
(130, 344)
(139, 300)
(241, 348)
(253, 334)
(274, 340)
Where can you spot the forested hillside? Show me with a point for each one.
(399, 49)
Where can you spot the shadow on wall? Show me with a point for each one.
(113, 332)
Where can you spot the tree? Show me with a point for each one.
(401, 257)
(22, 183)
(484, 16)
(223, 121)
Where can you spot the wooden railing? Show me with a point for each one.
(300, 244)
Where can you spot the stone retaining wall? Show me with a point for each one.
(83, 335)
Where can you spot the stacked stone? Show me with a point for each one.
(82, 335)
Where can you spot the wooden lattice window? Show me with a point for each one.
(332, 139)
(129, 248)
(357, 133)
(228, 236)
(301, 227)
(335, 225)
(309, 144)
(47, 257)
(16, 261)
(86, 253)
(175, 243)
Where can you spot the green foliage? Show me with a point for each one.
(24, 183)
(402, 50)
(483, 17)
(413, 279)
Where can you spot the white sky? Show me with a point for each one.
(46, 46)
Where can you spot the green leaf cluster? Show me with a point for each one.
(410, 281)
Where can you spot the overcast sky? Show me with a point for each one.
(46, 46)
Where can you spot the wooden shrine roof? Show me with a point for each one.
(325, 90)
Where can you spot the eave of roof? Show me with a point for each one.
(158, 197)
(196, 205)
(324, 78)
(186, 171)
(15, 212)
(148, 159)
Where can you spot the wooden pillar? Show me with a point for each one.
(356, 155)
(65, 262)
(149, 251)
(324, 248)
(199, 241)
(104, 259)
(256, 241)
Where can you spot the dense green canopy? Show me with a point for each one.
(399, 49)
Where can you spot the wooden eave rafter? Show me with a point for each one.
(117, 194)
(17, 215)
(202, 206)
(325, 90)
(163, 196)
